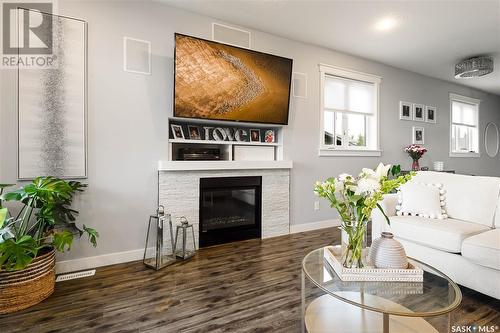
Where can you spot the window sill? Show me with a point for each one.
(345, 152)
(453, 154)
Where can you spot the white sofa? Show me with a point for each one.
(466, 245)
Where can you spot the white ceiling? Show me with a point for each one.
(431, 36)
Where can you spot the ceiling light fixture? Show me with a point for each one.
(474, 67)
(386, 23)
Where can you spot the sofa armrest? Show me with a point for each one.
(379, 222)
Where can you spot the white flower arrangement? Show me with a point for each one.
(354, 198)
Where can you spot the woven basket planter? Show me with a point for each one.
(22, 289)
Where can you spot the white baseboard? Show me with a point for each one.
(314, 226)
(74, 265)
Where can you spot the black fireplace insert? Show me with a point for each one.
(230, 209)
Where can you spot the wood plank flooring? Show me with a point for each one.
(248, 286)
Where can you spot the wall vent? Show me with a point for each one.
(231, 35)
(299, 85)
(76, 275)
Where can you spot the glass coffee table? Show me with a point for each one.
(346, 306)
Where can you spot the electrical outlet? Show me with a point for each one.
(316, 205)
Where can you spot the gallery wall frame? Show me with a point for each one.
(418, 135)
(418, 112)
(405, 110)
(52, 121)
(431, 114)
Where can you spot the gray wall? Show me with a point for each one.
(128, 117)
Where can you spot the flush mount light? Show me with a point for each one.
(474, 67)
(386, 23)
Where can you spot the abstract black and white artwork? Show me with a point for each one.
(52, 107)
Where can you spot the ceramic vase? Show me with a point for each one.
(386, 252)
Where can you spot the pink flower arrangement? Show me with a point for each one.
(415, 151)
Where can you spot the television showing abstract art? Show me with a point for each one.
(52, 106)
(223, 82)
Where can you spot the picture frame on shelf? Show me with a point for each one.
(177, 131)
(405, 110)
(254, 135)
(418, 135)
(194, 132)
(430, 114)
(269, 136)
(418, 112)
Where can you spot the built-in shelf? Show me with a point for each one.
(227, 150)
(222, 165)
(234, 143)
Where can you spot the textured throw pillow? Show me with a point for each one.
(420, 199)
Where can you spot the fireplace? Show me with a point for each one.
(230, 209)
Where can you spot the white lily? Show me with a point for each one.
(367, 185)
(377, 174)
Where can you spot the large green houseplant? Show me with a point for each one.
(45, 221)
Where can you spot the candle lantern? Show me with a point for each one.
(157, 253)
(183, 250)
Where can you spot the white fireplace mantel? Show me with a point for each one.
(222, 165)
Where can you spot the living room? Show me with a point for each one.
(337, 87)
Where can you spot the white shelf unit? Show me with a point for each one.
(222, 165)
(226, 147)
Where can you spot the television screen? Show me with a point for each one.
(223, 82)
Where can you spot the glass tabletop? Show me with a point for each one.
(436, 295)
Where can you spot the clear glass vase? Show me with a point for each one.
(354, 246)
(415, 166)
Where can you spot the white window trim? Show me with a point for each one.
(326, 150)
(469, 100)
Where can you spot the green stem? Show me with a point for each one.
(20, 212)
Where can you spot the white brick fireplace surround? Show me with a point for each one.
(179, 192)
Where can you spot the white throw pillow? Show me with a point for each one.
(420, 199)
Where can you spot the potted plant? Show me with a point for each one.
(28, 241)
(355, 198)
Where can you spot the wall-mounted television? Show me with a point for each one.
(222, 82)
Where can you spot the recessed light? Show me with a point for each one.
(386, 23)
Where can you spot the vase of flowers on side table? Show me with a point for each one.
(415, 152)
(355, 198)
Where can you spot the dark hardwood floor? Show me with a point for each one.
(248, 286)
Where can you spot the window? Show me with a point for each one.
(349, 113)
(464, 126)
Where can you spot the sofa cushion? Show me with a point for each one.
(420, 199)
(446, 235)
(468, 198)
(483, 249)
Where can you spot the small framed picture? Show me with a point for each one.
(405, 111)
(255, 135)
(418, 135)
(177, 131)
(430, 114)
(418, 112)
(194, 132)
(269, 136)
